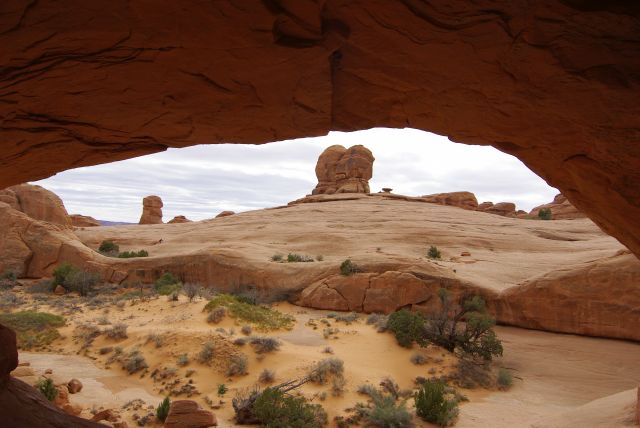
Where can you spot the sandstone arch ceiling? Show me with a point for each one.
(554, 83)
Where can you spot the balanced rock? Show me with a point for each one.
(179, 219)
(188, 414)
(341, 170)
(225, 214)
(151, 210)
(466, 200)
(36, 202)
(79, 220)
(561, 209)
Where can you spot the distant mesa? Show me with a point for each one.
(79, 220)
(225, 214)
(179, 219)
(561, 209)
(151, 210)
(36, 202)
(341, 170)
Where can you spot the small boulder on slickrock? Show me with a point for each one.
(225, 214)
(188, 414)
(151, 210)
(341, 170)
(74, 386)
(179, 219)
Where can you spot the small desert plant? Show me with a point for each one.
(47, 388)
(263, 345)
(191, 290)
(298, 258)
(222, 389)
(81, 281)
(504, 378)
(183, 360)
(162, 411)
(273, 408)
(545, 214)
(117, 332)
(60, 274)
(133, 254)
(380, 321)
(347, 268)
(240, 341)
(206, 353)
(157, 339)
(134, 362)
(262, 317)
(434, 253)
(246, 330)
(408, 327)
(237, 365)
(419, 359)
(167, 284)
(327, 350)
(109, 248)
(267, 376)
(322, 371)
(7, 279)
(383, 411)
(433, 406)
(216, 315)
(277, 258)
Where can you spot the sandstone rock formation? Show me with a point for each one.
(188, 414)
(79, 220)
(225, 214)
(341, 170)
(151, 210)
(466, 200)
(179, 219)
(505, 209)
(561, 209)
(36, 202)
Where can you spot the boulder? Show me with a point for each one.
(466, 200)
(179, 219)
(8, 353)
(505, 209)
(74, 386)
(59, 290)
(341, 170)
(225, 214)
(485, 205)
(36, 202)
(561, 209)
(151, 210)
(79, 220)
(105, 415)
(188, 414)
(25, 371)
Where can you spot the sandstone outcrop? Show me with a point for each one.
(188, 414)
(225, 214)
(36, 202)
(341, 170)
(78, 220)
(505, 209)
(465, 200)
(561, 209)
(151, 210)
(179, 219)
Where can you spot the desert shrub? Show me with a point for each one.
(380, 321)
(277, 258)
(434, 253)
(298, 258)
(347, 318)
(330, 331)
(216, 315)
(206, 353)
(466, 327)
(167, 284)
(323, 370)
(134, 362)
(384, 410)
(246, 330)
(156, 338)
(419, 359)
(504, 378)
(408, 327)
(262, 317)
(222, 389)
(191, 290)
(275, 409)
(337, 386)
(347, 268)
(545, 214)
(433, 406)
(109, 248)
(470, 373)
(182, 360)
(162, 411)
(42, 286)
(86, 333)
(7, 279)
(10, 300)
(60, 273)
(133, 254)
(327, 350)
(267, 376)
(33, 329)
(263, 345)
(117, 332)
(240, 341)
(81, 281)
(237, 365)
(47, 388)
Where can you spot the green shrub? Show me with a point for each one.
(222, 389)
(33, 328)
(206, 353)
(387, 412)
(325, 369)
(267, 376)
(109, 248)
(347, 268)
(408, 327)
(419, 359)
(163, 409)
(504, 378)
(47, 388)
(298, 258)
(276, 258)
(434, 253)
(167, 284)
(216, 315)
(545, 214)
(263, 345)
(134, 362)
(132, 254)
(81, 281)
(183, 360)
(275, 409)
(432, 405)
(117, 332)
(61, 272)
(262, 317)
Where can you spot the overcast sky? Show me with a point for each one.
(201, 181)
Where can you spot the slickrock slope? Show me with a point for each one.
(36, 202)
(341, 170)
(561, 209)
(491, 72)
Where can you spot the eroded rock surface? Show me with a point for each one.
(341, 170)
(179, 219)
(36, 202)
(466, 200)
(188, 414)
(151, 210)
(79, 220)
(561, 209)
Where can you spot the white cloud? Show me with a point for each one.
(201, 181)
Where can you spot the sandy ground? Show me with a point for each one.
(558, 376)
